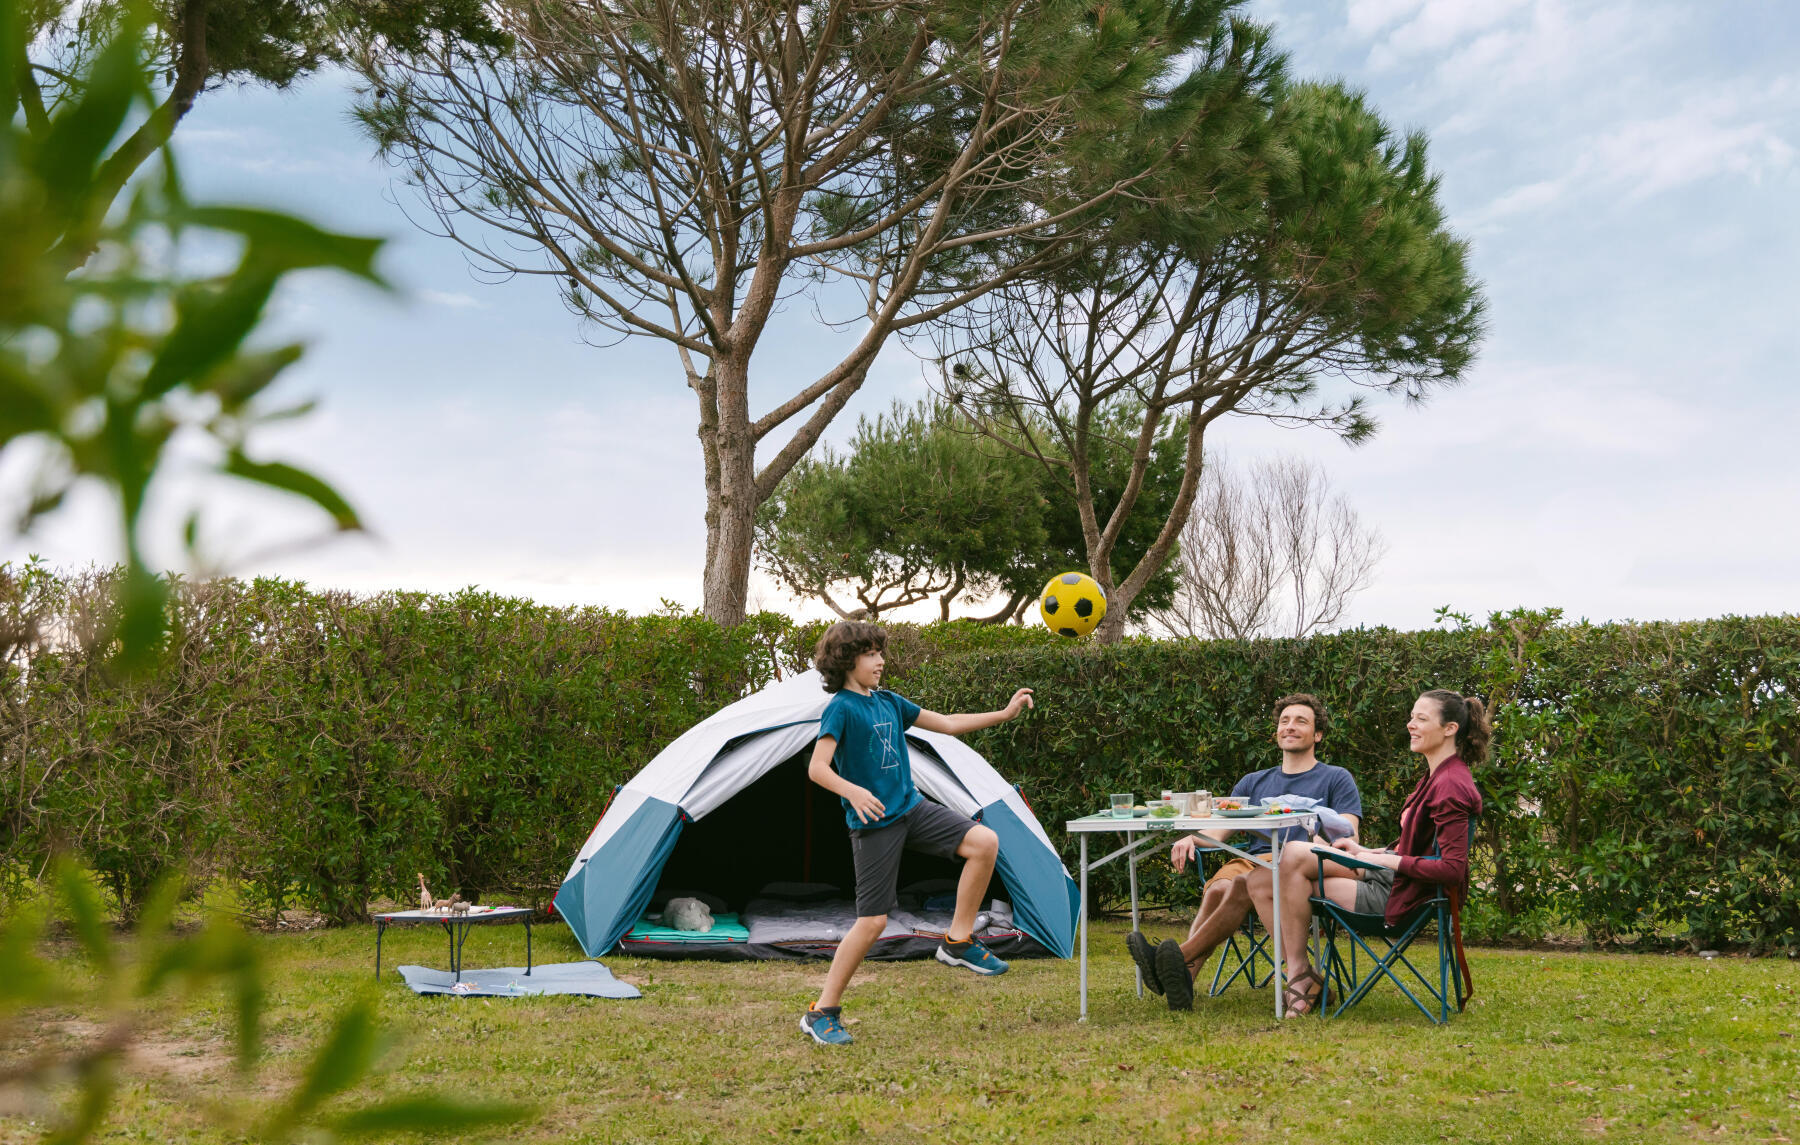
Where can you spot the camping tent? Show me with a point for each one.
(727, 810)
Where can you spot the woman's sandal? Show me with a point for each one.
(1296, 1000)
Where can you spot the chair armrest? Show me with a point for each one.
(1346, 859)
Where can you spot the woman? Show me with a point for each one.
(1451, 731)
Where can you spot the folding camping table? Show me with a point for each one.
(1139, 831)
(457, 927)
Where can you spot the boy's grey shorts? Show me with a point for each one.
(929, 827)
(1373, 891)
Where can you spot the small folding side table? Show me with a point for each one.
(456, 926)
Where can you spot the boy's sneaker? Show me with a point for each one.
(971, 954)
(825, 1026)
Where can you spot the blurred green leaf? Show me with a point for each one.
(79, 136)
(24, 977)
(247, 375)
(279, 476)
(426, 1114)
(211, 325)
(282, 243)
(86, 916)
(23, 408)
(340, 1063)
(143, 596)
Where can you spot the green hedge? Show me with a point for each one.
(318, 748)
(321, 748)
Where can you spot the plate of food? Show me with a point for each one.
(1238, 812)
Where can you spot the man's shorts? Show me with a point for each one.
(1232, 868)
(929, 827)
(1372, 891)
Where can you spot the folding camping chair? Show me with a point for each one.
(1346, 978)
(1243, 960)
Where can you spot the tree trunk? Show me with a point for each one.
(731, 501)
(1111, 629)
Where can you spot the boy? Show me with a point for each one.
(863, 733)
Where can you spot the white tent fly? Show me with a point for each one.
(727, 811)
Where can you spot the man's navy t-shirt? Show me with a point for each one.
(871, 750)
(1332, 786)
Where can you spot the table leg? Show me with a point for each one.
(1275, 931)
(1082, 921)
(527, 946)
(462, 934)
(1135, 972)
(380, 927)
(450, 933)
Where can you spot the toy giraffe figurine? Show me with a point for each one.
(425, 899)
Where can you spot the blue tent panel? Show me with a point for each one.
(1045, 899)
(603, 899)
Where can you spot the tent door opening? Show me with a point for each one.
(782, 828)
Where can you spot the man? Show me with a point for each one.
(1300, 723)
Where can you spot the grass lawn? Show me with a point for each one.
(1555, 1047)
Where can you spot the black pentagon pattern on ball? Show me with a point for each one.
(1050, 606)
(1084, 607)
(1070, 578)
(1067, 632)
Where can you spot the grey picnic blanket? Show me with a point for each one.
(589, 978)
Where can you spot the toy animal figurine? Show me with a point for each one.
(425, 900)
(456, 905)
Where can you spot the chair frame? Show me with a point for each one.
(1353, 984)
(1256, 940)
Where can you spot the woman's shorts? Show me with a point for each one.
(1372, 891)
(929, 827)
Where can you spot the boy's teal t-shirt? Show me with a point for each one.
(871, 750)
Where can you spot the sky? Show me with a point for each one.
(1626, 175)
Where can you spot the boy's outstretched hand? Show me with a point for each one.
(1020, 701)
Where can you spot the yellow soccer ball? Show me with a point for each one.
(1072, 604)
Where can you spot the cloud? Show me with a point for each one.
(1432, 27)
(1519, 200)
(1719, 135)
(456, 300)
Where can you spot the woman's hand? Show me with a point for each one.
(863, 802)
(1349, 845)
(1020, 701)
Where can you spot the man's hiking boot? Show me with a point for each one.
(1144, 955)
(970, 954)
(1171, 968)
(825, 1026)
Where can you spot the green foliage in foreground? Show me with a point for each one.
(109, 347)
(1555, 1048)
(319, 749)
(119, 989)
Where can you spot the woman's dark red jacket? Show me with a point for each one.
(1440, 812)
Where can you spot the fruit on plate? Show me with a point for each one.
(1228, 804)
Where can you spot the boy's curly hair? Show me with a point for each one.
(839, 647)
